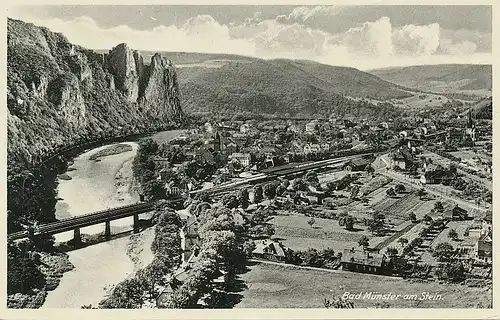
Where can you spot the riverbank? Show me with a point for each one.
(94, 186)
(52, 266)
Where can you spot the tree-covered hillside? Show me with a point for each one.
(285, 87)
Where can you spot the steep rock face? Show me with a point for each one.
(60, 94)
(66, 95)
(161, 89)
(123, 65)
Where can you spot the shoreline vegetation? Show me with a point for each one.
(170, 281)
(49, 264)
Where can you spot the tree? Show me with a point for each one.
(427, 218)
(390, 192)
(354, 191)
(338, 303)
(452, 234)
(257, 194)
(347, 221)
(399, 188)
(403, 241)
(443, 251)
(377, 224)
(270, 190)
(421, 193)
(22, 273)
(154, 190)
(412, 216)
(311, 222)
(438, 206)
(243, 198)
(299, 185)
(230, 201)
(453, 271)
(364, 241)
(126, 295)
(311, 178)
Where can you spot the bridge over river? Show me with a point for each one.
(108, 215)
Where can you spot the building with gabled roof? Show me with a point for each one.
(364, 261)
(358, 164)
(270, 250)
(484, 247)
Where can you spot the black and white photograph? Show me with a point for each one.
(249, 157)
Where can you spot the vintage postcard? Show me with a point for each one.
(259, 158)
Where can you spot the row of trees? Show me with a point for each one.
(147, 283)
(223, 252)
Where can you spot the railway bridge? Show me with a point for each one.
(134, 210)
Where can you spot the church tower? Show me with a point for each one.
(217, 142)
(470, 128)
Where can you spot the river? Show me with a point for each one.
(97, 185)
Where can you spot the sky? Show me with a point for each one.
(364, 37)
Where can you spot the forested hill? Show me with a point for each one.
(236, 84)
(60, 94)
(444, 77)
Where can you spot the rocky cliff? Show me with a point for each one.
(59, 94)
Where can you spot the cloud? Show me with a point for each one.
(372, 38)
(199, 34)
(302, 14)
(372, 44)
(462, 48)
(416, 40)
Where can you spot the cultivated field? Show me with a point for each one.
(459, 226)
(279, 286)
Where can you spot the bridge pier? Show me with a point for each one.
(77, 238)
(107, 230)
(136, 223)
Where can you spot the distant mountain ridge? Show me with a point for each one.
(444, 77)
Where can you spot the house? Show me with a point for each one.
(292, 128)
(384, 125)
(314, 197)
(239, 217)
(455, 213)
(483, 249)
(208, 127)
(325, 146)
(160, 162)
(364, 261)
(311, 127)
(312, 148)
(231, 148)
(358, 164)
(243, 158)
(270, 250)
(204, 154)
(245, 128)
(434, 174)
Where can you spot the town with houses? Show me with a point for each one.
(265, 157)
(410, 197)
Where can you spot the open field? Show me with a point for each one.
(326, 233)
(280, 286)
(421, 101)
(166, 136)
